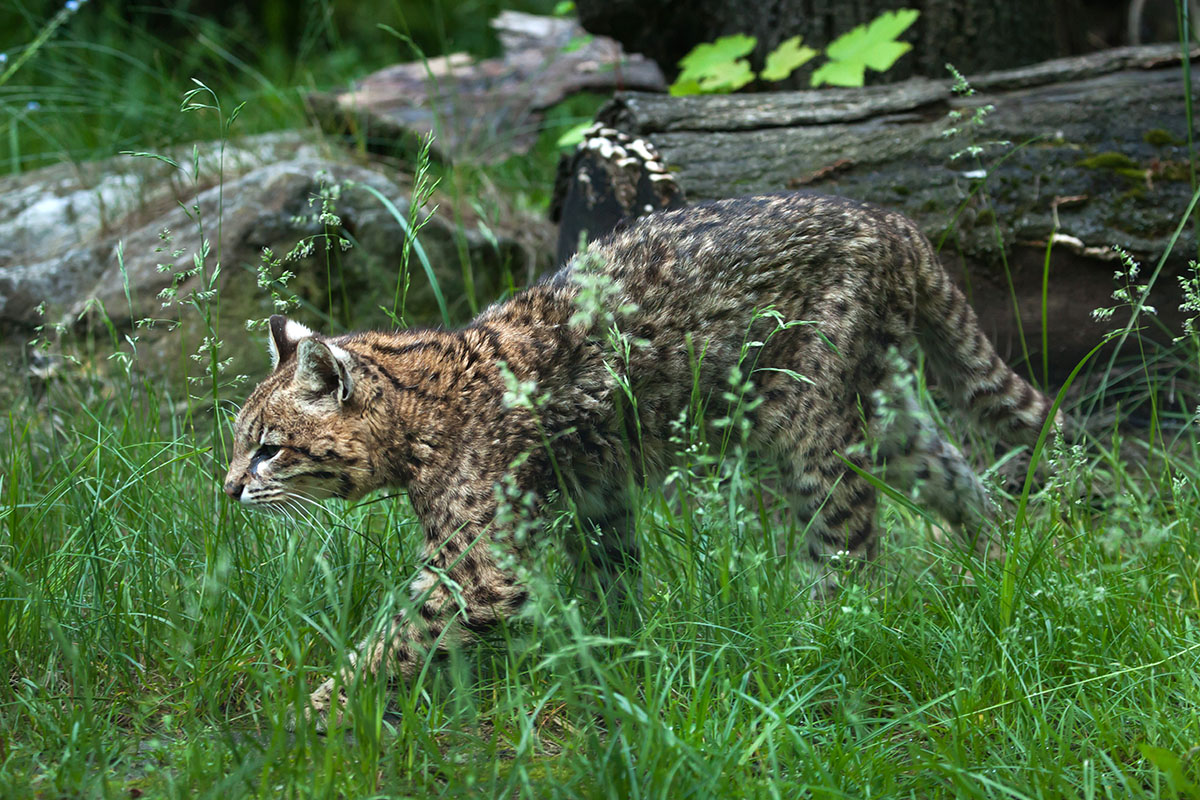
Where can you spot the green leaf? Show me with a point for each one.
(706, 56)
(716, 66)
(573, 135)
(684, 86)
(872, 45)
(577, 42)
(839, 73)
(728, 77)
(783, 60)
(563, 7)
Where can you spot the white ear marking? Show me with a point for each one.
(285, 335)
(295, 331)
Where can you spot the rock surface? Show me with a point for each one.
(99, 243)
(59, 225)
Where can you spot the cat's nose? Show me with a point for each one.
(234, 489)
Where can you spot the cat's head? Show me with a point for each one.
(299, 436)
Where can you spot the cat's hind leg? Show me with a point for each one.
(816, 451)
(912, 455)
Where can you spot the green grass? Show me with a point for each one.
(108, 76)
(157, 638)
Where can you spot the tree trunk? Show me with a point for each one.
(974, 35)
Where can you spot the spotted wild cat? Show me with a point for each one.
(426, 410)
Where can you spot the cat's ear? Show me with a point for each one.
(285, 336)
(324, 368)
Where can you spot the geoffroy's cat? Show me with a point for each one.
(807, 295)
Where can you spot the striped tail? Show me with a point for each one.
(965, 363)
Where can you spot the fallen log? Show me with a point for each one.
(1069, 157)
(483, 111)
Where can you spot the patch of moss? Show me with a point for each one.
(1158, 137)
(1107, 160)
(1174, 171)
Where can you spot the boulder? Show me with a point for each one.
(117, 243)
(59, 225)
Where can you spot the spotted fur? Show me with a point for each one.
(695, 293)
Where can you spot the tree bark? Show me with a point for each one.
(974, 35)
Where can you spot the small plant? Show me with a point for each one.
(1129, 293)
(962, 126)
(424, 186)
(596, 293)
(9, 67)
(1190, 284)
(721, 67)
(273, 277)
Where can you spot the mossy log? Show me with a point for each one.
(1084, 153)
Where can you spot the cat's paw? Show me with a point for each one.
(325, 708)
(824, 590)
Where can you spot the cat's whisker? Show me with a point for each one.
(296, 503)
(297, 500)
(331, 522)
(300, 512)
(325, 531)
(295, 512)
(297, 495)
(307, 517)
(283, 510)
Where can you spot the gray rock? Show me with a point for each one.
(59, 225)
(113, 236)
(98, 244)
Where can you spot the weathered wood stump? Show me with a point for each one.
(483, 111)
(1086, 152)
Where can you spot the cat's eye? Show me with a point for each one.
(265, 452)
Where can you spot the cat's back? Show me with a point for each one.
(707, 278)
(770, 250)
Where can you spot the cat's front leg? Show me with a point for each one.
(462, 590)
(396, 649)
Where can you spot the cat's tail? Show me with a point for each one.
(965, 363)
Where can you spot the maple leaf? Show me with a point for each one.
(684, 86)
(872, 45)
(727, 77)
(783, 60)
(718, 66)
